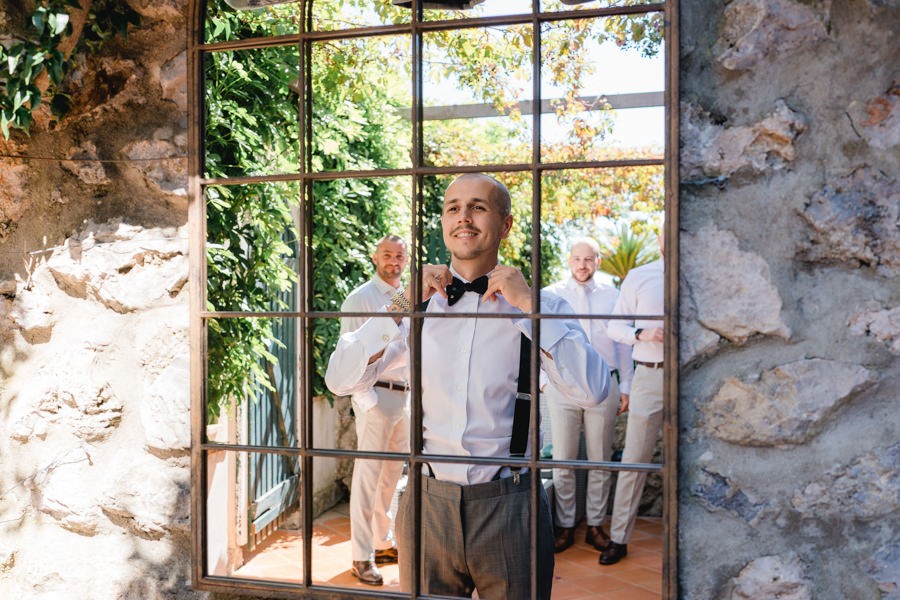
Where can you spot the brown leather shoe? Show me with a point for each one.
(596, 537)
(387, 556)
(614, 553)
(366, 572)
(563, 538)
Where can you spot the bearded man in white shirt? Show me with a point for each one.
(642, 293)
(475, 518)
(588, 297)
(382, 425)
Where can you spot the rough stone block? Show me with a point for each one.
(785, 406)
(866, 489)
(877, 120)
(718, 492)
(883, 325)
(165, 411)
(151, 499)
(756, 31)
(173, 79)
(884, 568)
(125, 269)
(89, 410)
(33, 314)
(711, 151)
(83, 164)
(730, 289)
(853, 219)
(779, 577)
(161, 163)
(62, 495)
(694, 340)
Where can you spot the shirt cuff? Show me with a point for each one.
(377, 333)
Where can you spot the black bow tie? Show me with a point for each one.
(458, 287)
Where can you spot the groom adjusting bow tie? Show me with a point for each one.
(458, 287)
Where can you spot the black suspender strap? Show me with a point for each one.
(523, 402)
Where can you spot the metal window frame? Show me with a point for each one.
(200, 447)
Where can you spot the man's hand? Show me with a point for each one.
(623, 404)
(510, 283)
(654, 334)
(435, 279)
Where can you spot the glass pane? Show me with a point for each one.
(602, 92)
(332, 556)
(252, 124)
(349, 217)
(251, 247)
(478, 96)
(561, 5)
(621, 209)
(224, 23)
(252, 509)
(470, 9)
(361, 99)
(330, 15)
(515, 250)
(252, 372)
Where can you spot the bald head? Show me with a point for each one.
(499, 196)
(584, 258)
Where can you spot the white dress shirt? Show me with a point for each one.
(371, 296)
(642, 293)
(469, 373)
(595, 298)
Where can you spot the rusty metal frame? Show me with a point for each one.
(201, 447)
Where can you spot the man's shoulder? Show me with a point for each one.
(556, 287)
(648, 269)
(357, 297)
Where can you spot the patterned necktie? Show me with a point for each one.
(458, 287)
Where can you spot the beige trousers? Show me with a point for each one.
(645, 410)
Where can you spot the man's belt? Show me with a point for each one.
(400, 386)
(650, 365)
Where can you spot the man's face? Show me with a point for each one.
(390, 259)
(582, 262)
(472, 218)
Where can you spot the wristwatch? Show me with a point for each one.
(637, 333)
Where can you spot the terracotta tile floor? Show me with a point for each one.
(578, 576)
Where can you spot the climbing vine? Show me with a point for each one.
(33, 66)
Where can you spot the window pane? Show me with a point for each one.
(560, 5)
(361, 94)
(253, 508)
(621, 208)
(479, 8)
(602, 86)
(252, 371)
(330, 15)
(331, 555)
(251, 247)
(478, 96)
(515, 250)
(224, 23)
(252, 124)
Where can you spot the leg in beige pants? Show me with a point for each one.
(644, 422)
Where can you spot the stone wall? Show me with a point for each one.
(790, 312)
(94, 396)
(790, 433)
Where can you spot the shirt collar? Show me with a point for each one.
(463, 279)
(590, 284)
(383, 286)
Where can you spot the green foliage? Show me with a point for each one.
(253, 128)
(39, 54)
(626, 250)
(358, 88)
